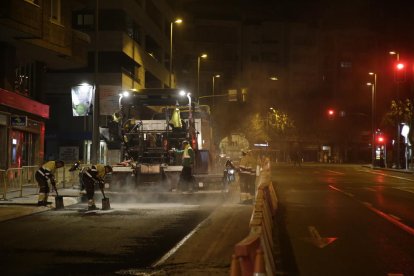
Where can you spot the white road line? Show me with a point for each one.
(383, 174)
(397, 218)
(178, 245)
(408, 190)
(341, 191)
(340, 173)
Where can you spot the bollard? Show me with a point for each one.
(259, 265)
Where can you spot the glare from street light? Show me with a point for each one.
(273, 78)
(371, 73)
(178, 21)
(217, 76)
(203, 55)
(369, 83)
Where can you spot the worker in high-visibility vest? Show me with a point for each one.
(44, 175)
(91, 176)
(187, 180)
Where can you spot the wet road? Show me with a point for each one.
(131, 235)
(345, 220)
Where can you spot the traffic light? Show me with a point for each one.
(400, 72)
(331, 114)
(380, 139)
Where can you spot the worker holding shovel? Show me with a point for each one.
(91, 176)
(44, 175)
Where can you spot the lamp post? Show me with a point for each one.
(214, 77)
(397, 55)
(95, 119)
(198, 71)
(394, 53)
(177, 21)
(190, 112)
(373, 90)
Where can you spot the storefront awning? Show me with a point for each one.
(20, 102)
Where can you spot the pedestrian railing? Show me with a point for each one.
(14, 181)
(3, 183)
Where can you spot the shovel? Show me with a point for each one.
(105, 200)
(58, 198)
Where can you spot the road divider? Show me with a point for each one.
(254, 255)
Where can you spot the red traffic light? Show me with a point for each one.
(400, 66)
(400, 72)
(331, 112)
(380, 139)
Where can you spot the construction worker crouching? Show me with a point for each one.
(43, 175)
(91, 176)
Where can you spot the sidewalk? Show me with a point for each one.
(15, 206)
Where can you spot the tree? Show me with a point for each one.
(262, 128)
(400, 111)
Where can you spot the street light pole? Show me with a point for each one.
(177, 21)
(96, 111)
(198, 72)
(214, 77)
(373, 90)
(398, 116)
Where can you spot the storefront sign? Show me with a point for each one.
(18, 121)
(69, 153)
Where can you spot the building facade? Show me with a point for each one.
(35, 35)
(130, 49)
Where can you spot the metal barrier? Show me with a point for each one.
(14, 180)
(3, 186)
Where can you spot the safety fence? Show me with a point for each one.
(15, 182)
(254, 255)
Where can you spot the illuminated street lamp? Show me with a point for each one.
(394, 53)
(214, 77)
(198, 71)
(373, 90)
(177, 21)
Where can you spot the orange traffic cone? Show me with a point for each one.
(259, 264)
(235, 266)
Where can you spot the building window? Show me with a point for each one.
(55, 10)
(84, 21)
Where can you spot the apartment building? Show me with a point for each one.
(35, 36)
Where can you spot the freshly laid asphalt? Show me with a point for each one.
(202, 253)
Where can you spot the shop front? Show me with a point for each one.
(22, 130)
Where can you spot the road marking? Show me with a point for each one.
(397, 218)
(391, 219)
(341, 191)
(340, 173)
(178, 245)
(408, 190)
(317, 240)
(383, 174)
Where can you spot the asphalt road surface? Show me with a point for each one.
(345, 220)
(130, 236)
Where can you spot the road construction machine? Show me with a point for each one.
(149, 124)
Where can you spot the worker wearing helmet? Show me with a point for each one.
(45, 174)
(91, 176)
